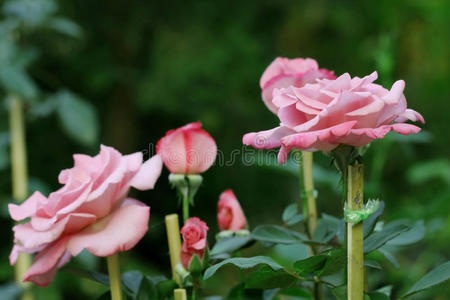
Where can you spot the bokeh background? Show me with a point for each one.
(136, 69)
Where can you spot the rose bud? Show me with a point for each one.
(284, 72)
(187, 150)
(229, 212)
(329, 113)
(194, 240)
(90, 211)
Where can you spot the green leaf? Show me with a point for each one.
(243, 263)
(291, 216)
(433, 278)
(310, 265)
(266, 278)
(411, 236)
(88, 274)
(389, 257)
(64, 26)
(295, 219)
(276, 234)
(372, 264)
(165, 288)
(147, 290)
(16, 80)
(131, 281)
(340, 293)
(10, 291)
(230, 244)
(369, 223)
(296, 292)
(31, 12)
(336, 260)
(378, 239)
(78, 118)
(377, 296)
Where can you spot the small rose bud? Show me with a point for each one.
(229, 212)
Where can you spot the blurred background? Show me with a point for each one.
(122, 73)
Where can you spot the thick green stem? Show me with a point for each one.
(355, 255)
(19, 174)
(185, 208)
(114, 276)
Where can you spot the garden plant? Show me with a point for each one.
(338, 116)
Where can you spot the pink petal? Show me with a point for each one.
(363, 136)
(27, 208)
(28, 237)
(148, 174)
(410, 114)
(46, 264)
(324, 140)
(119, 231)
(266, 139)
(396, 92)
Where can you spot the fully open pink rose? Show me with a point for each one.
(321, 116)
(90, 212)
(229, 212)
(284, 72)
(187, 150)
(194, 240)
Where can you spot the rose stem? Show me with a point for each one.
(179, 294)
(185, 208)
(355, 255)
(19, 179)
(114, 276)
(308, 202)
(173, 239)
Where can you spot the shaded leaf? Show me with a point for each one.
(266, 278)
(230, 244)
(370, 222)
(378, 239)
(436, 276)
(310, 264)
(78, 118)
(64, 26)
(411, 236)
(243, 263)
(277, 234)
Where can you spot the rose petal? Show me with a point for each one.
(46, 264)
(119, 231)
(324, 140)
(148, 174)
(27, 208)
(266, 139)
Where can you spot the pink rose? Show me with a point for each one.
(229, 212)
(321, 116)
(90, 212)
(284, 72)
(194, 240)
(187, 150)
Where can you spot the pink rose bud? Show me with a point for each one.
(284, 72)
(187, 150)
(194, 240)
(229, 212)
(324, 115)
(90, 211)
